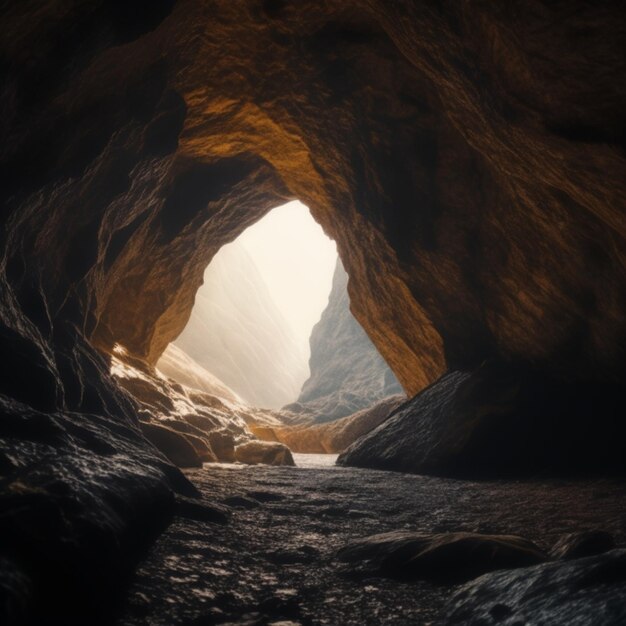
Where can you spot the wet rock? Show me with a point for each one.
(499, 420)
(585, 591)
(201, 510)
(175, 446)
(99, 495)
(266, 452)
(444, 558)
(241, 502)
(582, 544)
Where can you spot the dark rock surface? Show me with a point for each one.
(347, 372)
(499, 420)
(80, 500)
(442, 557)
(583, 592)
(276, 559)
(582, 544)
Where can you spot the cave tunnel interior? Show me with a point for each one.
(468, 161)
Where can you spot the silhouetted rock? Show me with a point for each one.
(581, 544)
(269, 453)
(347, 372)
(583, 591)
(444, 558)
(499, 420)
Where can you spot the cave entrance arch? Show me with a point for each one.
(252, 317)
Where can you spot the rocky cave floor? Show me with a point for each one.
(274, 562)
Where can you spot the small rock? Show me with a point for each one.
(241, 502)
(265, 496)
(444, 557)
(581, 544)
(201, 511)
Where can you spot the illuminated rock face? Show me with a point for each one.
(347, 372)
(476, 201)
(467, 158)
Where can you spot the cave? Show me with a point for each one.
(468, 161)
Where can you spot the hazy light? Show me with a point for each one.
(296, 260)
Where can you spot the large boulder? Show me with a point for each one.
(443, 557)
(176, 446)
(263, 452)
(582, 592)
(499, 420)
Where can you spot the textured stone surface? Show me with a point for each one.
(347, 372)
(582, 543)
(584, 592)
(498, 420)
(476, 201)
(263, 452)
(443, 557)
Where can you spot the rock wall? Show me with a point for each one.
(347, 372)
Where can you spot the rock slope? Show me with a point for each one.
(347, 372)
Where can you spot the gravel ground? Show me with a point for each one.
(274, 563)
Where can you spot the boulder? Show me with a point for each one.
(443, 557)
(177, 447)
(223, 446)
(499, 420)
(582, 592)
(263, 452)
(195, 436)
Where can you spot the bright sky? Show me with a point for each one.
(297, 261)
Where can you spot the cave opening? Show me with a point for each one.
(260, 298)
